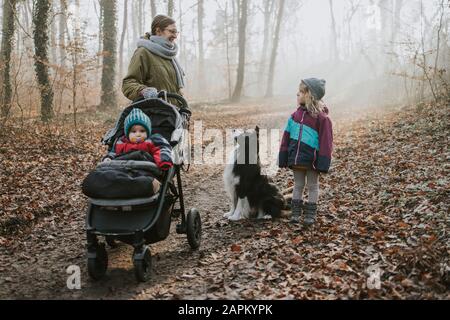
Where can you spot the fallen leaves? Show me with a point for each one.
(236, 248)
(42, 176)
(385, 203)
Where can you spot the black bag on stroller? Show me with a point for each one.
(120, 182)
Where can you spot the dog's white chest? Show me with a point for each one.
(229, 178)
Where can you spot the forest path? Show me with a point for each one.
(372, 213)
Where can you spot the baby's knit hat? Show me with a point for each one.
(135, 117)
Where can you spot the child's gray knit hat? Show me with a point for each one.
(316, 87)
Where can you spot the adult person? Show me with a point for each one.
(154, 66)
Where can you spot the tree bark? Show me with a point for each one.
(9, 8)
(242, 30)
(62, 31)
(153, 7)
(273, 57)
(135, 22)
(53, 31)
(40, 22)
(170, 8)
(122, 38)
(201, 54)
(268, 8)
(335, 52)
(109, 9)
(140, 18)
(100, 36)
(227, 49)
(397, 22)
(348, 21)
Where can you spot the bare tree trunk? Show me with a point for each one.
(77, 45)
(100, 37)
(134, 21)
(2, 3)
(40, 22)
(242, 30)
(181, 41)
(144, 18)
(201, 54)
(28, 15)
(170, 8)
(227, 44)
(53, 54)
(424, 57)
(62, 31)
(122, 38)
(9, 9)
(348, 19)
(235, 21)
(18, 33)
(140, 18)
(335, 52)
(396, 23)
(438, 41)
(268, 8)
(385, 12)
(273, 57)
(153, 7)
(108, 99)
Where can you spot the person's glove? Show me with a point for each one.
(149, 93)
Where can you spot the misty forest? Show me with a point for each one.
(384, 205)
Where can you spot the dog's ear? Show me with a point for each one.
(257, 129)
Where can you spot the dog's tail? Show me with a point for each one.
(273, 206)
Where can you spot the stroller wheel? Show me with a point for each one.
(194, 229)
(142, 264)
(98, 262)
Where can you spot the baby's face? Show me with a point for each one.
(137, 134)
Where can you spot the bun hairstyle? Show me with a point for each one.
(161, 22)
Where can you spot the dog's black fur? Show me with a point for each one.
(261, 194)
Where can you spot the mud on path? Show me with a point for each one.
(366, 218)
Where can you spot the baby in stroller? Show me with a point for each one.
(145, 148)
(138, 137)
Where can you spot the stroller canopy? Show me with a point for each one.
(166, 120)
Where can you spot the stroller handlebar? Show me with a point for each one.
(184, 105)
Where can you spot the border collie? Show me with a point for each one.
(251, 194)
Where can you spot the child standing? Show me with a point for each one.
(307, 146)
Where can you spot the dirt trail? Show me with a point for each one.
(34, 264)
(242, 260)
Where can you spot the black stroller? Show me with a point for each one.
(142, 221)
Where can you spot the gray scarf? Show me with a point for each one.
(164, 49)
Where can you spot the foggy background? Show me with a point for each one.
(371, 52)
